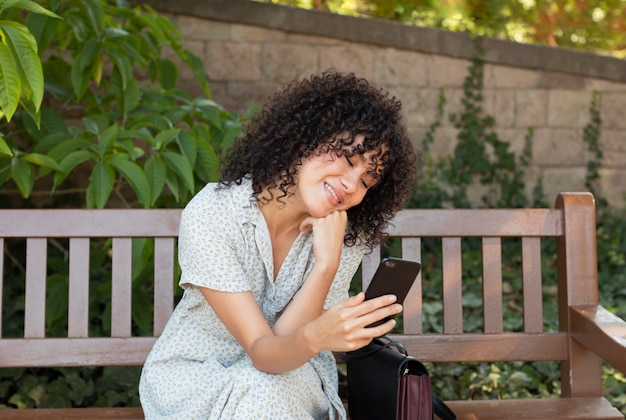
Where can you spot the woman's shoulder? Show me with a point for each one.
(219, 202)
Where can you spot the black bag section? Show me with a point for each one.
(385, 383)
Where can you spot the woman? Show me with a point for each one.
(267, 256)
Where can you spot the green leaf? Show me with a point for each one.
(168, 74)
(5, 150)
(155, 170)
(69, 162)
(10, 84)
(122, 64)
(95, 123)
(207, 164)
(106, 139)
(164, 137)
(188, 147)
(32, 109)
(101, 184)
(23, 47)
(134, 175)
(180, 166)
(78, 24)
(80, 76)
(28, 5)
(41, 160)
(131, 97)
(93, 10)
(23, 175)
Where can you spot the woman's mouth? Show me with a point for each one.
(332, 193)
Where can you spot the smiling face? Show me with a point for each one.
(327, 182)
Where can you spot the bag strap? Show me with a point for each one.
(374, 346)
(441, 409)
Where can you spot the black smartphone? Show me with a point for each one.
(394, 276)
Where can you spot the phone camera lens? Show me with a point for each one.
(390, 264)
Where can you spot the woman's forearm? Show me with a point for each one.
(308, 303)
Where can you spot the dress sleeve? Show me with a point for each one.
(350, 260)
(207, 244)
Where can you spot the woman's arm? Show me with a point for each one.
(341, 328)
(308, 303)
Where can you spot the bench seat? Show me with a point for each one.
(539, 409)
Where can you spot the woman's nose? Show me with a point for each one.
(350, 180)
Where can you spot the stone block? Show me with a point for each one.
(500, 104)
(613, 146)
(531, 108)
(605, 85)
(554, 80)
(254, 34)
(453, 105)
(558, 147)
(349, 58)
(233, 61)
(563, 179)
(295, 38)
(613, 110)
(192, 28)
(401, 67)
(418, 105)
(496, 76)
(568, 108)
(444, 144)
(286, 62)
(447, 72)
(612, 182)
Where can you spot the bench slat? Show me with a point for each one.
(536, 409)
(1, 280)
(532, 291)
(369, 264)
(78, 303)
(117, 413)
(492, 285)
(35, 299)
(104, 223)
(412, 311)
(121, 297)
(452, 285)
(532, 409)
(477, 222)
(163, 284)
(59, 352)
(486, 347)
(601, 331)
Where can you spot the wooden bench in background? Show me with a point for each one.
(587, 334)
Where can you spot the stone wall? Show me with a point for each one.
(250, 49)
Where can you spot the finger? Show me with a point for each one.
(381, 329)
(307, 224)
(381, 313)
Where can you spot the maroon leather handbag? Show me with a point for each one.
(384, 382)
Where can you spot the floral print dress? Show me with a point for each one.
(196, 369)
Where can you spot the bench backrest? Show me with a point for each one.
(572, 223)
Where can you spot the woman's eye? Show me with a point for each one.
(365, 185)
(348, 160)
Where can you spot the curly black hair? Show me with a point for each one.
(325, 113)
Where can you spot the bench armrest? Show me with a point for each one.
(601, 331)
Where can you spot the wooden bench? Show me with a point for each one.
(587, 332)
